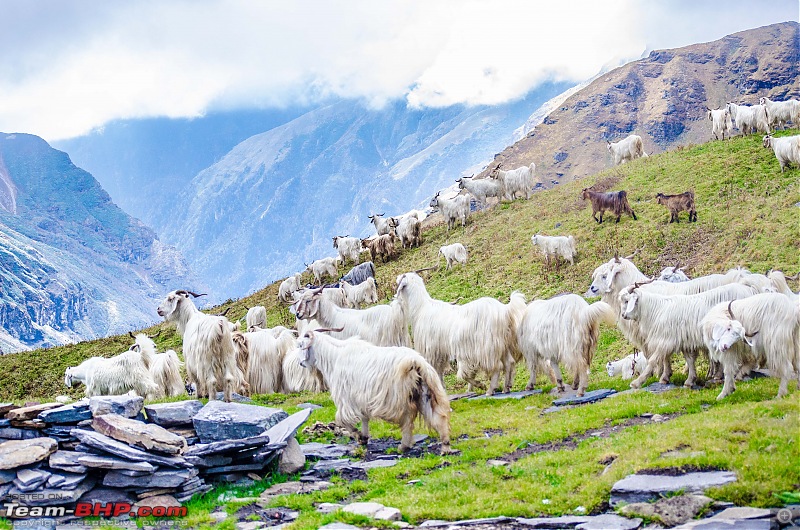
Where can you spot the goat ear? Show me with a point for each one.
(748, 338)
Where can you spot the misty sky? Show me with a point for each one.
(69, 66)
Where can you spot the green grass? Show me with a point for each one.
(746, 217)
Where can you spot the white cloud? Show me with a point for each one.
(75, 65)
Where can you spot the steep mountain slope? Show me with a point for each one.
(142, 164)
(277, 198)
(73, 265)
(662, 98)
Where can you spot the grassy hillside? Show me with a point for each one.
(747, 216)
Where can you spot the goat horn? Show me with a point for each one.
(634, 253)
(325, 330)
(751, 335)
(426, 269)
(616, 256)
(156, 335)
(195, 295)
(793, 278)
(224, 312)
(454, 302)
(132, 335)
(730, 310)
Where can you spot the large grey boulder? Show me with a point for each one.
(128, 406)
(671, 511)
(292, 458)
(219, 421)
(173, 414)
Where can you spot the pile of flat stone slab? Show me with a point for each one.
(114, 449)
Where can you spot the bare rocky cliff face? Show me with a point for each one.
(73, 266)
(662, 98)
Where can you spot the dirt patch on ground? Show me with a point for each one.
(572, 441)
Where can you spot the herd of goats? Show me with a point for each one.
(364, 357)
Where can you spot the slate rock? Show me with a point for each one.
(106, 444)
(173, 414)
(644, 488)
(566, 521)
(209, 461)
(372, 464)
(72, 481)
(13, 433)
(157, 500)
(27, 477)
(5, 423)
(28, 413)
(67, 461)
(18, 453)
(588, 397)
(388, 514)
(367, 509)
(109, 462)
(147, 436)
(67, 414)
(293, 488)
(227, 446)
(327, 465)
(159, 479)
(609, 521)
(238, 468)
(310, 406)
(219, 421)
(508, 395)
(7, 476)
(287, 428)
(671, 511)
(329, 507)
(737, 512)
(292, 458)
(237, 398)
(127, 405)
(6, 407)
(55, 480)
(57, 496)
(325, 451)
(338, 526)
(105, 495)
(729, 524)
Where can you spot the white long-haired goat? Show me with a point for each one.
(208, 349)
(364, 293)
(759, 330)
(295, 377)
(555, 247)
(455, 209)
(394, 384)
(627, 367)
(667, 324)
(349, 248)
(288, 288)
(514, 181)
(165, 368)
(266, 352)
(119, 375)
(563, 329)
(323, 267)
(454, 253)
(479, 336)
(80, 373)
(383, 325)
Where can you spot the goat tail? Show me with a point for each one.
(432, 401)
(600, 312)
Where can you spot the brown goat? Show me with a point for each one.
(382, 246)
(616, 201)
(677, 204)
